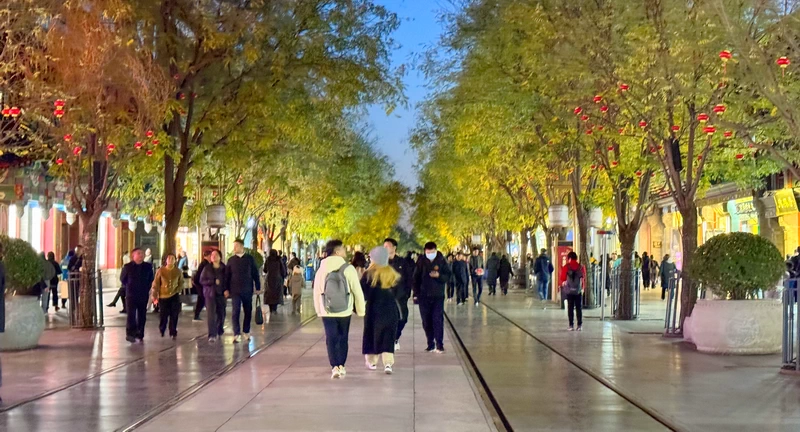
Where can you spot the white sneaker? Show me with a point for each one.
(387, 369)
(571, 329)
(336, 373)
(342, 371)
(396, 346)
(237, 338)
(580, 328)
(477, 304)
(370, 366)
(246, 337)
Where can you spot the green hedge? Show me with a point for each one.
(23, 266)
(737, 265)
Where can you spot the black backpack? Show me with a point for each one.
(574, 277)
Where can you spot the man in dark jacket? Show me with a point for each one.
(543, 268)
(201, 299)
(492, 270)
(137, 278)
(461, 274)
(242, 275)
(505, 272)
(402, 292)
(430, 278)
(476, 270)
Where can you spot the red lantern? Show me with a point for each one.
(181, 96)
(751, 145)
(59, 161)
(58, 113)
(604, 109)
(660, 147)
(702, 117)
(699, 157)
(239, 181)
(739, 156)
(597, 99)
(155, 142)
(584, 117)
(600, 128)
(642, 124)
(68, 137)
(725, 55)
(653, 150)
(676, 128)
(77, 151)
(176, 77)
(638, 173)
(719, 109)
(149, 134)
(614, 163)
(59, 104)
(110, 148)
(653, 175)
(728, 134)
(610, 148)
(622, 131)
(15, 112)
(593, 166)
(588, 131)
(6, 112)
(623, 87)
(709, 130)
(577, 110)
(783, 62)
(149, 152)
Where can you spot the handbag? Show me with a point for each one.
(259, 312)
(63, 289)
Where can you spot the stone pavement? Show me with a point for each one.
(288, 388)
(664, 378)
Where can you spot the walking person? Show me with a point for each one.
(197, 284)
(430, 278)
(215, 291)
(137, 278)
(359, 261)
(296, 284)
(242, 275)
(543, 268)
(667, 273)
(53, 282)
(451, 284)
(645, 270)
(121, 292)
(337, 291)
(276, 275)
(382, 315)
(573, 280)
(461, 276)
(492, 268)
(504, 272)
(476, 271)
(167, 287)
(402, 291)
(654, 271)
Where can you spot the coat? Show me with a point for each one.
(542, 267)
(137, 280)
(475, 263)
(404, 266)
(296, 284)
(645, 266)
(504, 271)
(167, 282)
(334, 263)
(383, 316)
(461, 272)
(242, 275)
(276, 274)
(424, 284)
(492, 267)
(667, 272)
(208, 280)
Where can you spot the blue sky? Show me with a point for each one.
(419, 29)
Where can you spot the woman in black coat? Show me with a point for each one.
(383, 312)
(505, 272)
(276, 274)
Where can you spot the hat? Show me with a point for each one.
(379, 255)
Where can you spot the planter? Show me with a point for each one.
(24, 323)
(735, 326)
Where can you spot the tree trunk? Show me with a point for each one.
(522, 271)
(86, 297)
(689, 243)
(582, 216)
(627, 239)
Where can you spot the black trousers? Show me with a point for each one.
(137, 315)
(403, 303)
(504, 286)
(461, 292)
(451, 288)
(337, 331)
(492, 287)
(215, 305)
(169, 310)
(54, 294)
(574, 304)
(242, 302)
(431, 309)
(201, 302)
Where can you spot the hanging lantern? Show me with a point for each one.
(558, 216)
(181, 96)
(70, 217)
(149, 134)
(702, 117)
(622, 131)
(176, 77)
(15, 112)
(59, 161)
(138, 145)
(110, 148)
(623, 87)
(596, 217)
(239, 180)
(709, 130)
(614, 163)
(699, 157)
(719, 109)
(577, 110)
(588, 132)
(638, 173)
(676, 128)
(725, 55)
(642, 124)
(600, 128)
(585, 117)
(727, 134)
(653, 150)
(155, 142)
(148, 226)
(604, 109)
(58, 113)
(6, 112)
(593, 166)
(67, 137)
(739, 156)
(783, 62)
(149, 152)
(751, 145)
(59, 104)
(597, 99)
(610, 148)
(77, 150)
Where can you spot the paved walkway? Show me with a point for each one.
(617, 375)
(288, 388)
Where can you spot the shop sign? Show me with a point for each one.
(656, 244)
(745, 206)
(785, 203)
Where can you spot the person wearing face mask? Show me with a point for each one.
(667, 273)
(430, 278)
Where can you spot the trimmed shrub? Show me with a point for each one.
(23, 266)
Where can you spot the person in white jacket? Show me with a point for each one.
(337, 325)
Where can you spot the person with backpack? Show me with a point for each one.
(383, 315)
(430, 278)
(242, 275)
(337, 291)
(504, 271)
(476, 270)
(573, 277)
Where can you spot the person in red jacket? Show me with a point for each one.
(572, 279)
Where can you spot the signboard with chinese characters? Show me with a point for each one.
(656, 244)
(745, 207)
(785, 203)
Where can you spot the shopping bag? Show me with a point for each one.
(63, 289)
(259, 312)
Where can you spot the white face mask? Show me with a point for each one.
(430, 256)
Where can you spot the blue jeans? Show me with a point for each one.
(477, 288)
(242, 301)
(543, 284)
